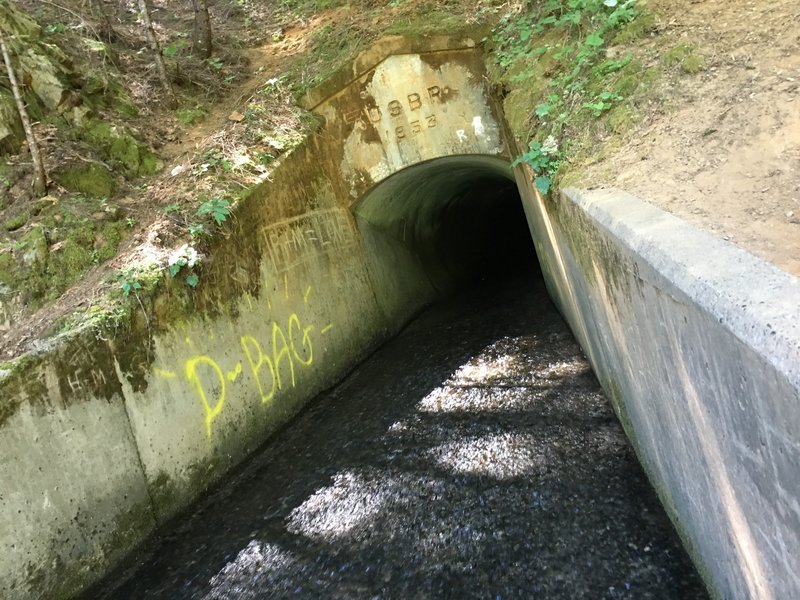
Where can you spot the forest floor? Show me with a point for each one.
(721, 148)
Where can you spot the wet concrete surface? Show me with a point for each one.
(473, 456)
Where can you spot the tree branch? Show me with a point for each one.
(39, 176)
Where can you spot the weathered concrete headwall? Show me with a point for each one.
(101, 441)
(697, 344)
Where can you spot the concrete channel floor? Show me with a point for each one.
(473, 456)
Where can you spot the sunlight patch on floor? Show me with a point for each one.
(502, 456)
(333, 511)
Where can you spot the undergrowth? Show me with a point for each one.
(559, 58)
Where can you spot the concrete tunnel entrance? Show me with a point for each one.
(461, 216)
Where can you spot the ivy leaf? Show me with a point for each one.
(543, 183)
(543, 110)
(173, 269)
(594, 39)
(192, 280)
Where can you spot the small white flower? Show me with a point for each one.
(550, 145)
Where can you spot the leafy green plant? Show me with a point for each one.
(213, 158)
(129, 284)
(196, 230)
(189, 116)
(171, 50)
(138, 277)
(561, 44)
(544, 160)
(219, 209)
(185, 256)
(172, 208)
(602, 102)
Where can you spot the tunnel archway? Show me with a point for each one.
(460, 216)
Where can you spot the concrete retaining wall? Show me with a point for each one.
(697, 344)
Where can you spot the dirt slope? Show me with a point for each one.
(727, 156)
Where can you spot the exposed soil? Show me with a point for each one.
(726, 155)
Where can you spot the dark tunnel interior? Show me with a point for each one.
(460, 216)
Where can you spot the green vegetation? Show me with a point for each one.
(556, 57)
(139, 277)
(219, 209)
(49, 255)
(685, 57)
(186, 257)
(92, 180)
(190, 116)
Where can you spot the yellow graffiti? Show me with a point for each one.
(273, 364)
(278, 356)
(190, 370)
(294, 323)
(234, 374)
(255, 366)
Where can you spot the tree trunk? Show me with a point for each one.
(39, 175)
(201, 37)
(156, 49)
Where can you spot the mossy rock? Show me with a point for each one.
(124, 149)
(11, 133)
(108, 240)
(121, 146)
(46, 274)
(35, 247)
(622, 118)
(150, 163)
(16, 221)
(8, 268)
(74, 259)
(123, 103)
(95, 83)
(92, 180)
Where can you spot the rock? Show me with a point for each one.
(35, 247)
(93, 180)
